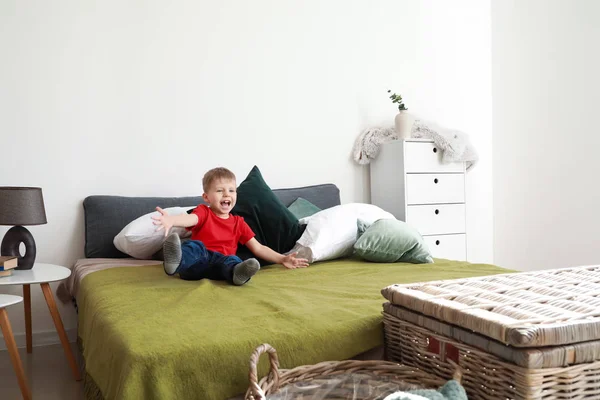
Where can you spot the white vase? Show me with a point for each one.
(404, 122)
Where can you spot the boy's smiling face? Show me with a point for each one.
(221, 196)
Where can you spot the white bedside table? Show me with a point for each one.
(5, 301)
(43, 274)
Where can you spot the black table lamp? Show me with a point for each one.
(20, 206)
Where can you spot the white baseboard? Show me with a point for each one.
(44, 338)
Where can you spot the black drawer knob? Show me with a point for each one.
(435, 150)
(435, 180)
(437, 242)
(437, 212)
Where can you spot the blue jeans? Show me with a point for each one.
(199, 263)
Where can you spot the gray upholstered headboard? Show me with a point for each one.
(105, 216)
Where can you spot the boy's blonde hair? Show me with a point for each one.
(215, 174)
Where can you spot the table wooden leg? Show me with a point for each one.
(27, 306)
(11, 345)
(60, 329)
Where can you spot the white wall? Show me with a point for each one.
(546, 93)
(140, 98)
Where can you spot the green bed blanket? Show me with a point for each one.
(146, 335)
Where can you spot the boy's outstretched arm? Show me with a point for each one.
(166, 221)
(266, 253)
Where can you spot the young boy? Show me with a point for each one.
(211, 251)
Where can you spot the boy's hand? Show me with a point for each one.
(164, 221)
(290, 261)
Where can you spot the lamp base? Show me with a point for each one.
(11, 243)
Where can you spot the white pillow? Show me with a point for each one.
(140, 239)
(331, 233)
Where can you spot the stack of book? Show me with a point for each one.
(7, 264)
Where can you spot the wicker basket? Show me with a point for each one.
(532, 335)
(486, 376)
(528, 309)
(277, 379)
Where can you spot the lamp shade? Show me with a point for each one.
(21, 206)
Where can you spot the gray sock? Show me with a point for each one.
(172, 253)
(243, 271)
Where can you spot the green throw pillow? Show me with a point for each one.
(274, 225)
(303, 208)
(361, 226)
(392, 240)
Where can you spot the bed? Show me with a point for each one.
(145, 335)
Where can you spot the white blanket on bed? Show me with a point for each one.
(68, 289)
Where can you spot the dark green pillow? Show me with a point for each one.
(274, 225)
(391, 240)
(303, 208)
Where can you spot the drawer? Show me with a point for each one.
(451, 247)
(437, 219)
(423, 157)
(435, 188)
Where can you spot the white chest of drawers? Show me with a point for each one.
(409, 180)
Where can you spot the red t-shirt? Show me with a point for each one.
(218, 234)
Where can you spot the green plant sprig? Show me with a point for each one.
(396, 98)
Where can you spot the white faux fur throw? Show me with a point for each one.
(455, 145)
(366, 146)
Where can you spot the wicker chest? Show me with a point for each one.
(533, 335)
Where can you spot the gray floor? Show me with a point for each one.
(48, 374)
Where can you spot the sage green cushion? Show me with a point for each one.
(303, 208)
(273, 224)
(391, 240)
(361, 226)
